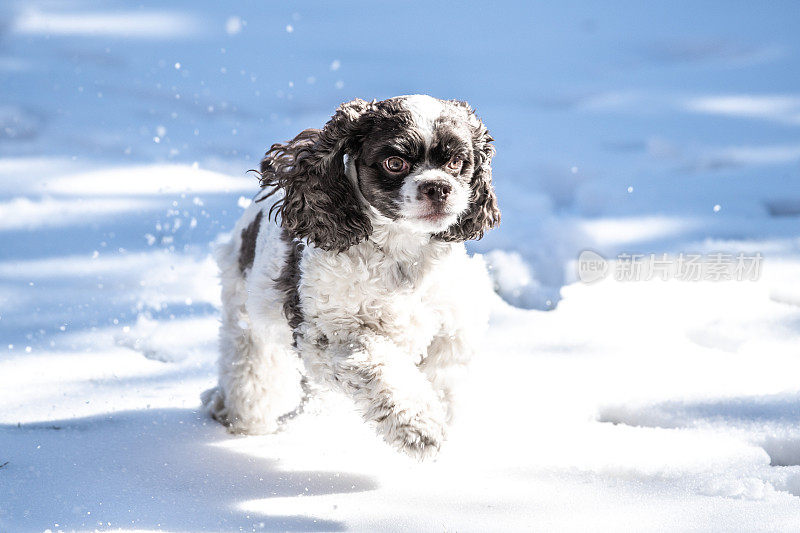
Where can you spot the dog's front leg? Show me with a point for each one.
(388, 389)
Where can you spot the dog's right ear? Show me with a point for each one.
(483, 213)
(319, 201)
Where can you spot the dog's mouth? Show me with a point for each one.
(436, 216)
(435, 213)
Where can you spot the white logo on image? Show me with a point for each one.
(591, 266)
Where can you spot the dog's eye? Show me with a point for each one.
(455, 164)
(395, 164)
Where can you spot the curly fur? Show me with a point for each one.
(363, 274)
(483, 213)
(317, 203)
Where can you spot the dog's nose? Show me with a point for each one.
(435, 191)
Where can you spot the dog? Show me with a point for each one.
(349, 271)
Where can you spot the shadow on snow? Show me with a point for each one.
(148, 469)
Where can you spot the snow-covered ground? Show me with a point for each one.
(126, 131)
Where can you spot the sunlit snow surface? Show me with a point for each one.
(126, 131)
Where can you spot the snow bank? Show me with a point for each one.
(134, 24)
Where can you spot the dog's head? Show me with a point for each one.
(411, 160)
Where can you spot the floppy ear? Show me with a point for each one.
(483, 213)
(319, 201)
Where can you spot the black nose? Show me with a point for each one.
(435, 191)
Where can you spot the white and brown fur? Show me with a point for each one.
(362, 283)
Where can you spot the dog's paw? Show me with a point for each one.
(419, 434)
(213, 401)
(216, 405)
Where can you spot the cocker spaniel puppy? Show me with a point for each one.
(362, 283)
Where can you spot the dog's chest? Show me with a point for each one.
(366, 288)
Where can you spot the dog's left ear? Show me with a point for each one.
(319, 202)
(483, 213)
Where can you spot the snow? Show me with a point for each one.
(771, 107)
(611, 405)
(132, 24)
(25, 213)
